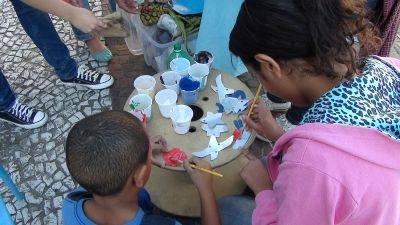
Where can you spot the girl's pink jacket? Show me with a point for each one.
(332, 174)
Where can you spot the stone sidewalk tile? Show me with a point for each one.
(35, 158)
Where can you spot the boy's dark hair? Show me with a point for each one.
(103, 150)
(322, 32)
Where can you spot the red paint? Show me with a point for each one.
(174, 157)
(236, 134)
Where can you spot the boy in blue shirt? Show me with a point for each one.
(109, 155)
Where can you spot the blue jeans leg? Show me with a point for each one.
(113, 5)
(236, 210)
(80, 35)
(40, 29)
(7, 96)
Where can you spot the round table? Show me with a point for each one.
(171, 188)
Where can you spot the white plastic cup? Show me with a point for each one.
(145, 84)
(180, 65)
(170, 80)
(181, 116)
(166, 100)
(200, 73)
(141, 106)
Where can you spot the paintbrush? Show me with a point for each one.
(206, 170)
(252, 106)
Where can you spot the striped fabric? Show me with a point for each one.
(388, 23)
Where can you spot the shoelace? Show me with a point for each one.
(90, 75)
(21, 111)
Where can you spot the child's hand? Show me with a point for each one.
(158, 143)
(202, 180)
(85, 21)
(262, 121)
(129, 6)
(254, 174)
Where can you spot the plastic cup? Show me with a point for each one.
(200, 73)
(140, 106)
(170, 80)
(180, 65)
(166, 100)
(190, 90)
(145, 84)
(181, 116)
(204, 57)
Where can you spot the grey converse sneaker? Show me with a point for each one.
(90, 78)
(24, 116)
(272, 106)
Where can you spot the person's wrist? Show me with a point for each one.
(205, 190)
(70, 12)
(262, 188)
(276, 133)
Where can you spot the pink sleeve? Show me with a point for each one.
(392, 61)
(303, 195)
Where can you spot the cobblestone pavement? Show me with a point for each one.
(35, 158)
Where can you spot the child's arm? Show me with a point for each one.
(203, 183)
(255, 174)
(81, 18)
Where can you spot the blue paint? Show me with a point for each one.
(188, 84)
(189, 90)
(220, 107)
(238, 123)
(238, 94)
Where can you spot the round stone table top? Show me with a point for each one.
(171, 188)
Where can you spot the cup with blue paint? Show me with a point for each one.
(189, 90)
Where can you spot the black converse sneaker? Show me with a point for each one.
(90, 79)
(24, 116)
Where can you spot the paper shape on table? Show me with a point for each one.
(240, 105)
(212, 119)
(238, 94)
(215, 131)
(238, 123)
(230, 104)
(222, 91)
(243, 139)
(213, 148)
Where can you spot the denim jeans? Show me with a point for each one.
(82, 36)
(7, 96)
(40, 29)
(236, 210)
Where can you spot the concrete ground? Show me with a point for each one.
(35, 158)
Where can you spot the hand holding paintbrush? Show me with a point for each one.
(202, 180)
(260, 119)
